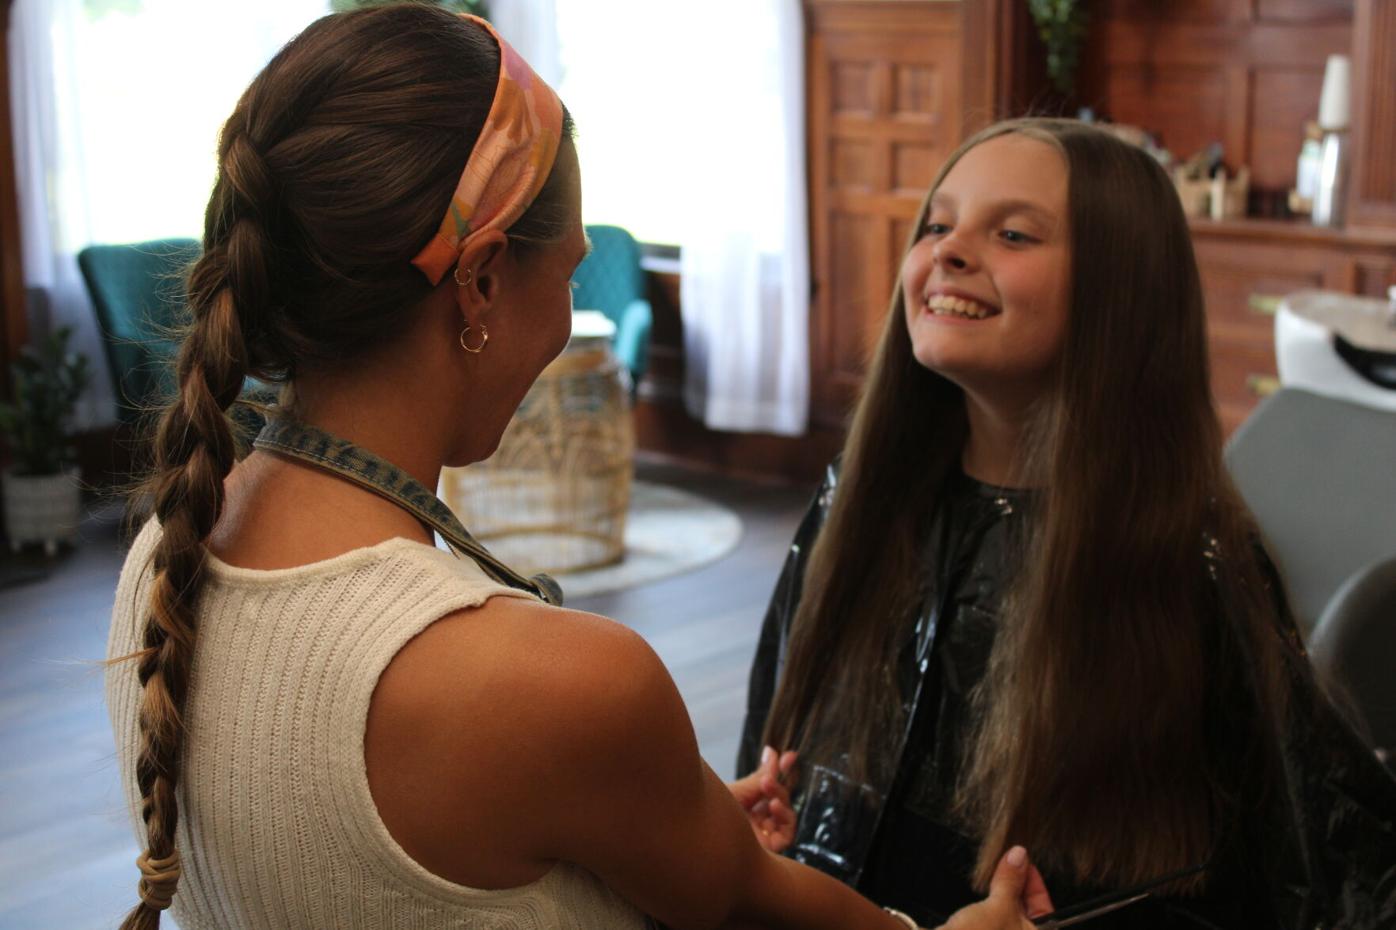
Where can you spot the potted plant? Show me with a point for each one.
(41, 492)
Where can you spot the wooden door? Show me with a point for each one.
(884, 108)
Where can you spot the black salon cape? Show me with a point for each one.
(1322, 855)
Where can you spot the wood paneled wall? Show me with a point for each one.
(1374, 177)
(884, 103)
(1246, 73)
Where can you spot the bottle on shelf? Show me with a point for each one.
(1333, 118)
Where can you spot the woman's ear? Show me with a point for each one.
(479, 274)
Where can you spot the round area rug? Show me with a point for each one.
(667, 531)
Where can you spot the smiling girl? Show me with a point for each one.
(1028, 606)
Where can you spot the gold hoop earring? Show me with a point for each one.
(484, 338)
(469, 276)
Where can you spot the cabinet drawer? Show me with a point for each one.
(1241, 302)
(1242, 373)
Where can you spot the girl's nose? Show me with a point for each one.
(950, 255)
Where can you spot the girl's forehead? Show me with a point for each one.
(1012, 170)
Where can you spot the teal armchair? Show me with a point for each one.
(138, 294)
(610, 280)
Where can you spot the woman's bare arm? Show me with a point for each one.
(568, 741)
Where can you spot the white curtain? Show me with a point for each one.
(51, 182)
(691, 132)
(745, 254)
(116, 110)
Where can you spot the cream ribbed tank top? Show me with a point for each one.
(277, 827)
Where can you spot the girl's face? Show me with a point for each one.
(987, 284)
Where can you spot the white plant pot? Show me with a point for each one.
(42, 508)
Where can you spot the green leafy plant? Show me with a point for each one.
(48, 380)
(1062, 26)
(475, 7)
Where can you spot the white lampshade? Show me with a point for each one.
(1334, 104)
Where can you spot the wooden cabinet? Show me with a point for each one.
(1247, 266)
(884, 111)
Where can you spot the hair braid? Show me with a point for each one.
(194, 452)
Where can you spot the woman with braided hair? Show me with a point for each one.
(321, 719)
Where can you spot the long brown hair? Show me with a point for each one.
(1090, 744)
(335, 169)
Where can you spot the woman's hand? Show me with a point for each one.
(766, 799)
(1016, 892)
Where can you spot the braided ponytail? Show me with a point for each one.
(194, 452)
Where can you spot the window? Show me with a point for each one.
(151, 83)
(661, 121)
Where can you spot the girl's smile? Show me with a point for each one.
(954, 306)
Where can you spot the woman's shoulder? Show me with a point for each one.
(525, 666)
(512, 717)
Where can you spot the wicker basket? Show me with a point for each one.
(554, 496)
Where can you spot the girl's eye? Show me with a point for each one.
(936, 229)
(1015, 237)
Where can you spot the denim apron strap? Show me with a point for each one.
(316, 447)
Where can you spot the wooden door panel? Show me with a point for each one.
(884, 111)
(854, 165)
(853, 291)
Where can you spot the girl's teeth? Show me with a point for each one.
(946, 305)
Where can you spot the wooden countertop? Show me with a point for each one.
(1293, 231)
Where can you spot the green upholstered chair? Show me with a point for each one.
(610, 280)
(137, 293)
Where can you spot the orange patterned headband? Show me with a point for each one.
(508, 166)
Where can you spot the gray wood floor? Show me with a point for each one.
(67, 853)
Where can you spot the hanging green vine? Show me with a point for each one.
(1062, 26)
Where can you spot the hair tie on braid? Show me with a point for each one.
(159, 879)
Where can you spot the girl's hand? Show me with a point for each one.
(766, 799)
(1016, 892)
